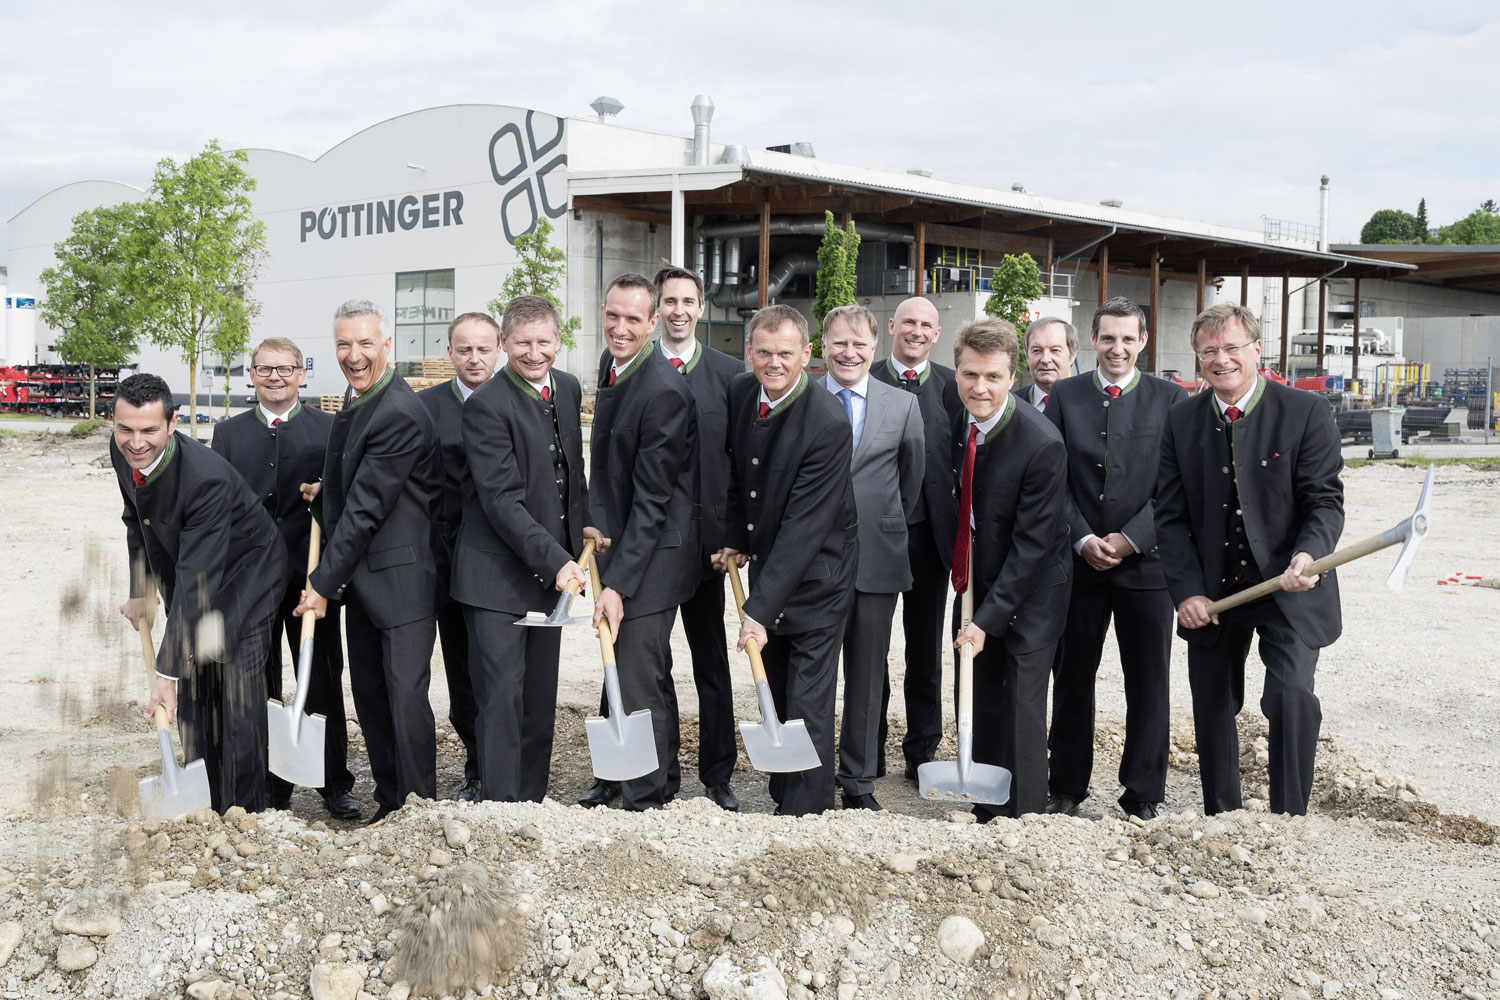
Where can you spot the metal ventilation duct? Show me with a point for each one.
(703, 113)
(781, 272)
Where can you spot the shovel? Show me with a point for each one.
(963, 779)
(179, 790)
(1409, 534)
(772, 745)
(621, 746)
(295, 738)
(562, 614)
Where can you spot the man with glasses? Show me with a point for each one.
(278, 446)
(1249, 490)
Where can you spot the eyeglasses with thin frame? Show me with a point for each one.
(1228, 350)
(264, 371)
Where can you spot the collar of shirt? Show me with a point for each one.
(464, 392)
(161, 457)
(785, 396)
(685, 357)
(989, 425)
(860, 388)
(545, 384)
(902, 367)
(379, 384)
(270, 417)
(1123, 383)
(1243, 402)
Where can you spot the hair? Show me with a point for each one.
(143, 388)
(1215, 318)
(277, 344)
(774, 317)
(854, 315)
(673, 272)
(1047, 321)
(633, 279)
(361, 307)
(465, 317)
(988, 336)
(525, 309)
(1117, 306)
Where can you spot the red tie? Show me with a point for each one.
(611, 377)
(965, 512)
(546, 394)
(1043, 404)
(910, 374)
(276, 422)
(1113, 391)
(1233, 413)
(677, 363)
(765, 410)
(138, 477)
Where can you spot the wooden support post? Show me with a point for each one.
(1050, 290)
(763, 260)
(1155, 309)
(1244, 286)
(1322, 323)
(1286, 308)
(1104, 277)
(1202, 281)
(921, 235)
(1354, 351)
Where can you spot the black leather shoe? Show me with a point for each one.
(601, 793)
(380, 813)
(469, 793)
(1065, 804)
(342, 805)
(862, 802)
(910, 771)
(723, 797)
(1145, 811)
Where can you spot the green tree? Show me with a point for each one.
(87, 295)
(1422, 225)
(539, 270)
(198, 249)
(834, 287)
(1390, 225)
(1014, 285)
(1478, 228)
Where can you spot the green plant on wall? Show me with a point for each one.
(539, 270)
(837, 255)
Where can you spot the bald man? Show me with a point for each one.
(914, 330)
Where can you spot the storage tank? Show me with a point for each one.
(20, 330)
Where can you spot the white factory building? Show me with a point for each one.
(419, 212)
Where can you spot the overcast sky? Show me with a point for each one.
(1219, 112)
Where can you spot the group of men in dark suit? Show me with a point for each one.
(462, 509)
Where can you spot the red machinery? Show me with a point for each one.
(54, 390)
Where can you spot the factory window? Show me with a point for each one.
(424, 308)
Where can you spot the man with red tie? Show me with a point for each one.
(1012, 475)
(1051, 349)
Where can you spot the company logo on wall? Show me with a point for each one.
(534, 179)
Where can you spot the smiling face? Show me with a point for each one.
(777, 356)
(1228, 359)
(984, 381)
(474, 348)
(361, 348)
(275, 391)
(142, 432)
(848, 349)
(628, 321)
(914, 329)
(531, 348)
(681, 308)
(1048, 356)
(1118, 342)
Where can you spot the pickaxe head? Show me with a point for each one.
(1410, 533)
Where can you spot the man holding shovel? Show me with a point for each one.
(1012, 475)
(792, 516)
(278, 446)
(203, 536)
(1250, 491)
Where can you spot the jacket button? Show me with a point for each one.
(147, 522)
(749, 527)
(1262, 461)
(755, 461)
(753, 558)
(1101, 496)
(752, 494)
(1226, 470)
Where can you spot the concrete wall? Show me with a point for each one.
(1453, 342)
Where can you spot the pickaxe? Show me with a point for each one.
(1409, 533)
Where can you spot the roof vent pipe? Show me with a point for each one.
(732, 261)
(1323, 215)
(703, 113)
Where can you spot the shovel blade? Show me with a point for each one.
(623, 752)
(296, 754)
(983, 783)
(536, 619)
(793, 751)
(171, 796)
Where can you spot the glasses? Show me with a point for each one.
(1228, 350)
(264, 371)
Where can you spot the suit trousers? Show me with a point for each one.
(1143, 632)
(641, 656)
(867, 644)
(325, 689)
(922, 610)
(389, 669)
(453, 633)
(514, 670)
(1216, 675)
(703, 623)
(802, 673)
(221, 709)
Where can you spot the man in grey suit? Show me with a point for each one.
(887, 463)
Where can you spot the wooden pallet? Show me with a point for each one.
(331, 403)
(438, 368)
(418, 384)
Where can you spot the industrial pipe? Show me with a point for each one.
(782, 272)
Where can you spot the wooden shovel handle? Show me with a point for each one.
(606, 637)
(314, 553)
(574, 585)
(1318, 566)
(757, 668)
(159, 717)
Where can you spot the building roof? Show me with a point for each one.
(1473, 268)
